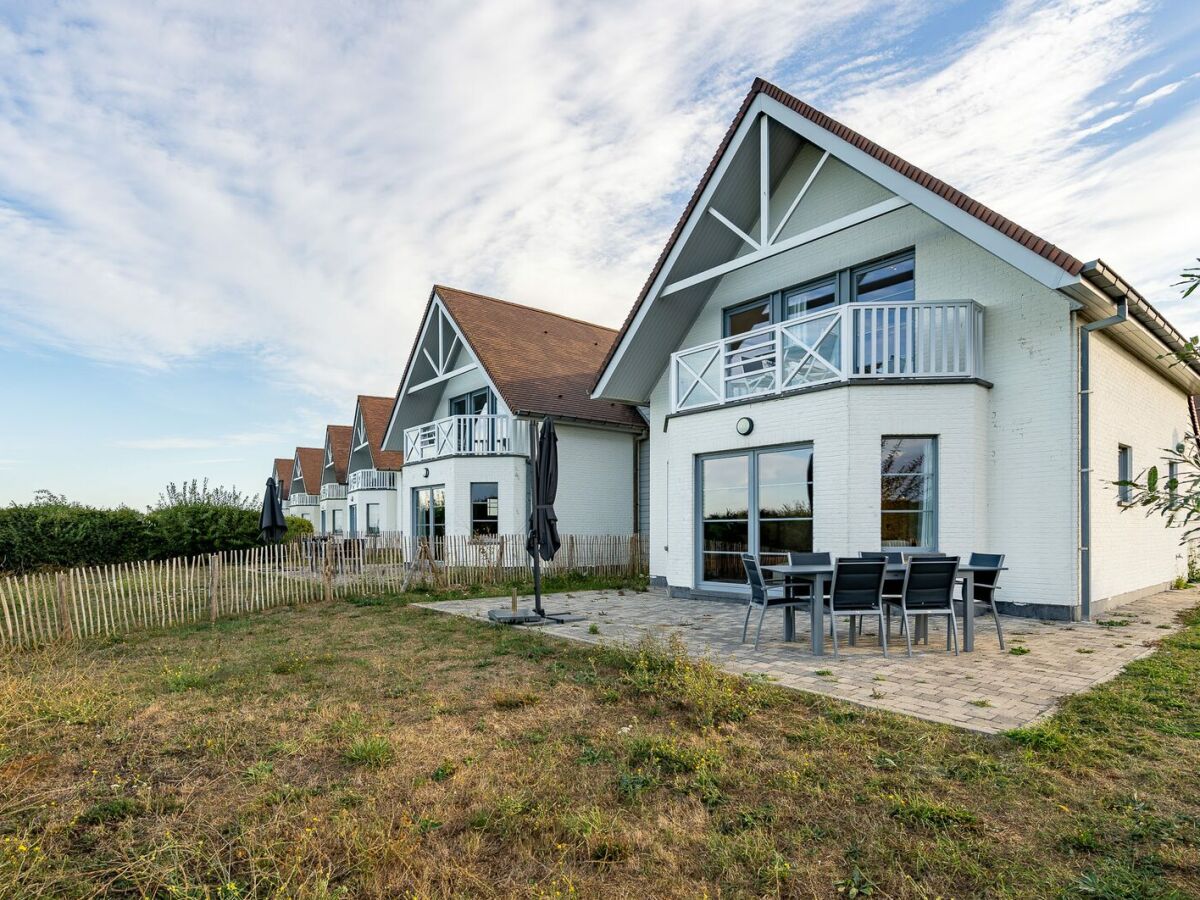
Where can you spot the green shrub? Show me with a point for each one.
(55, 533)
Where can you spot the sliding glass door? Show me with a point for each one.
(756, 501)
(429, 516)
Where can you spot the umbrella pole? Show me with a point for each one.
(537, 522)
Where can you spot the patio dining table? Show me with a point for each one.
(820, 575)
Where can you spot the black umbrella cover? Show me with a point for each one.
(271, 524)
(543, 524)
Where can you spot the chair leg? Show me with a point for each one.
(746, 624)
(758, 633)
(996, 619)
(907, 629)
(954, 629)
(835, 643)
(882, 634)
(853, 623)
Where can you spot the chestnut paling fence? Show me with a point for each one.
(89, 601)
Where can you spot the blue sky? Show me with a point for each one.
(219, 221)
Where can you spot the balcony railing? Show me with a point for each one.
(372, 480)
(482, 435)
(851, 342)
(302, 500)
(333, 491)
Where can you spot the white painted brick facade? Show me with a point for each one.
(387, 501)
(1008, 455)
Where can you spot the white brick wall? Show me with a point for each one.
(1135, 406)
(387, 509)
(595, 481)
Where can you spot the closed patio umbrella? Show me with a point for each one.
(271, 523)
(543, 541)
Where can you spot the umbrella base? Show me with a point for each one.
(530, 617)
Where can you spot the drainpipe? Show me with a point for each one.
(1085, 452)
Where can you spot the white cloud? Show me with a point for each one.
(289, 182)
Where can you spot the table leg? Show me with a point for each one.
(968, 612)
(789, 623)
(817, 606)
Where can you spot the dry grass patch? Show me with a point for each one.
(381, 750)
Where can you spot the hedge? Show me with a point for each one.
(61, 534)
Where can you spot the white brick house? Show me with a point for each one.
(304, 486)
(481, 370)
(335, 458)
(840, 352)
(372, 473)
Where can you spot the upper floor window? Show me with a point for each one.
(476, 403)
(884, 281)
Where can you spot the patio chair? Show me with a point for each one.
(857, 591)
(893, 585)
(812, 559)
(761, 596)
(929, 591)
(986, 587)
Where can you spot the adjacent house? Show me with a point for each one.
(335, 458)
(841, 352)
(373, 474)
(281, 471)
(304, 486)
(480, 373)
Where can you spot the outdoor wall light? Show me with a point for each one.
(745, 425)
(1180, 447)
(425, 472)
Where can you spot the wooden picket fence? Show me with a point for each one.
(91, 601)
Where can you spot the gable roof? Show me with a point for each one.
(376, 412)
(337, 438)
(312, 461)
(283, 469)
(1071, 266)
(541, 363)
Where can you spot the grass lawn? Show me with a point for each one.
(375, 749)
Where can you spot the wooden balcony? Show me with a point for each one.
(372, 480)
(482, 435)
(333, 492)
(856, 341)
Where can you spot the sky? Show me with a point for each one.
(220, 221)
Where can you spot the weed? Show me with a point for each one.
(110, 811)
(373, 751)
(1017, 651)
(260, 771)
(444, 771)
(919, 811)
(187, 677)
(514, 699)
(593, 628)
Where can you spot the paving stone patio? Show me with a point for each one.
(988, 690)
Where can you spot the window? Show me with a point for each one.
(1124, 473)
(908, 493)
(476, 403)
(885, 281)
(337, 521)
(485, 508)
(323, 522)
(429, 513)
(372, 518)
(758, 502)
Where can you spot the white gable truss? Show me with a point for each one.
(360, 449)
(742, 197)
(297, 475)
(439, 353)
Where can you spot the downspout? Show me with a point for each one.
(1085, 453)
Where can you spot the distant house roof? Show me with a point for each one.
(337, 438)
(1140, 309)
(376, 412)
(312, 461)
(283, 483)
(542, 363)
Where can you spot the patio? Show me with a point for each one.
(988, 691)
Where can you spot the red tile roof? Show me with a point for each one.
(541, 362)
(338, 438)
(283, 468)
(311, 459)
(1023, 236)
(376, 411)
